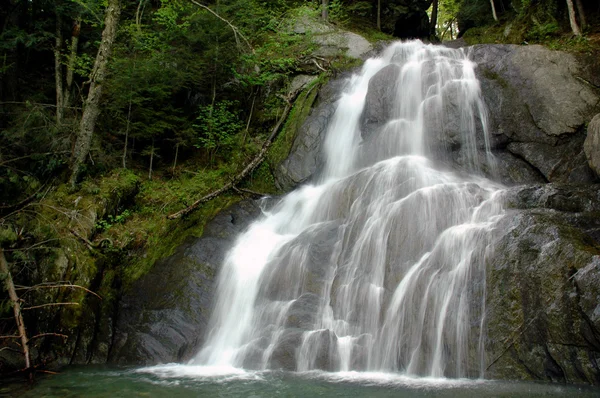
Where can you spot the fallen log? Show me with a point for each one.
(247, 170)
(16, 304)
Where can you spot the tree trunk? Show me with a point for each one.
(175, 160)
(324, 10)
(71, 63)
(58, 75)
(572, 19)
(581, 13)
(151, 160)
(249, 167)
(12, 294)
(91, 108)
(379, 15)
(433, 22)
(494, 11)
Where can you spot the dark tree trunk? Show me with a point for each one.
(91, 108)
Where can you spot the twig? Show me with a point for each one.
(247, 170)
(36, 103)
(235, 30)
(28, 288)
(248, 191)
(33, 154)
(47, 305)
(85, 240)
(319, 66)
(48, 371)
(64, 336)
(10, 337)
(24, 201)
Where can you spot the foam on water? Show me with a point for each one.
(379, 266)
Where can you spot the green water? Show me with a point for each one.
(182, 381)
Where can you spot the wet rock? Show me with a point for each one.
(561, 163)
(592, 144)
(163, 317)
(303, 263)
(303, 312)
(317, 349)
(511, 170)
(305, 156)
(380, 99)
(538, 103)
(543, 287)
(543, 82)
(286, 349)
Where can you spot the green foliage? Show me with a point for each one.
(338, 13)
(542, 32)
(110, 220)
(217, 126)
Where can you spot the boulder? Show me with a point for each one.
(317, 349)
(341, 42)
(592, 144)
(561, 163)
(380, 99)
(305, 155)
(538, 102)
(163, 317)
(542, 82)
(543, 294)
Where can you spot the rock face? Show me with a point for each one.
(543, 294)
(164, 316)
(592, 144)
(543, 301)
(305, 156)
(543, 281)
(538, 101)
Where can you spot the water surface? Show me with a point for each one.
(200, 381)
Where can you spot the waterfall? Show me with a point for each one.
(380, 264)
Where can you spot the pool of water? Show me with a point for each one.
(196, 381)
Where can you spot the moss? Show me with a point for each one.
(489, 74)
(283, 144)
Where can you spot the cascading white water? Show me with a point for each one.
(380, 265)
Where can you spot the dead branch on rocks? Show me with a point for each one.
(248, 169)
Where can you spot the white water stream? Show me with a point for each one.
(380, 265)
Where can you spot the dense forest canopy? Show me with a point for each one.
(184, 92)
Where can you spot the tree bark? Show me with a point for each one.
(91, 108)
(379, 15)
(434, 13)
(151, 160)
(58, 75)
(581, 13)
(247, 170)
(494, 11)
(324, 10)
(12, 294)
(572, 20)
(71, 63)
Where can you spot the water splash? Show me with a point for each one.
(380, 266)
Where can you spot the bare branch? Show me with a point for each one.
(64, 336)
(47, 286)
(36, 104)
(235, 30)
(250, 192)
(247, 170)
(33, 154)
(47, 305)
(10, 337)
